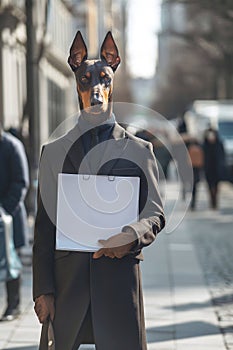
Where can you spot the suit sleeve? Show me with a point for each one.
(151, 218)
(44, 232)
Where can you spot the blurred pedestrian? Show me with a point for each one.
(181, 125)
(13, 188)
(214, 163)
(180, 155)
(162, 154)
(197, 161)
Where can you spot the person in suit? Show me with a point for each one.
(14, 181)
(94, 298)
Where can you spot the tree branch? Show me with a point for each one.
(208, 48)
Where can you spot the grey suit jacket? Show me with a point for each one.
(123, 155)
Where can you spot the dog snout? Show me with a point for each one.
(96, 99)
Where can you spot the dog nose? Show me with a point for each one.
(96, 99)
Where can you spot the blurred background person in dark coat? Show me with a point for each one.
(14, 182)
(214, 163)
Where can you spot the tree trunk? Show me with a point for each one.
(228, 75)
(32, 101)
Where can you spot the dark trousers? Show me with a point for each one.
(196, 179)
(213, 190)
(13, 295)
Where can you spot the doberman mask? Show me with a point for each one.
(94, 78)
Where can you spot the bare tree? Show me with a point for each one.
(202, 55)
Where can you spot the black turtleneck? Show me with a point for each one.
(103, 132)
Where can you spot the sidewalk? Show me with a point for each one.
(179, 311)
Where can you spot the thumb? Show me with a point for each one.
(103, 241)
(98, 254)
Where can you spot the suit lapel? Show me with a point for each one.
(113, 150)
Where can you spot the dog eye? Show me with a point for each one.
(84, 79)
(107, 79)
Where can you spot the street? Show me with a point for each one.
(187, 282)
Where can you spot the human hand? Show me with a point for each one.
(44, 307)
(116, 246)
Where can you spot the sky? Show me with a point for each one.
(143, 25)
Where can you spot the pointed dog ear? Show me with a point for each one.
(78, 52)
(109, 52)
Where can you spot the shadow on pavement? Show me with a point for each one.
(24, 348)
(180, 331)
(220, 300)
(190, 306)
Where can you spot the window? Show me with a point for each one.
(56, 105)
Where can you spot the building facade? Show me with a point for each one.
(37, 87)
(53, 26)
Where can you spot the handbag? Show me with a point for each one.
(10, 264)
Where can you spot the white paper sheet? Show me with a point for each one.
(93, 207)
